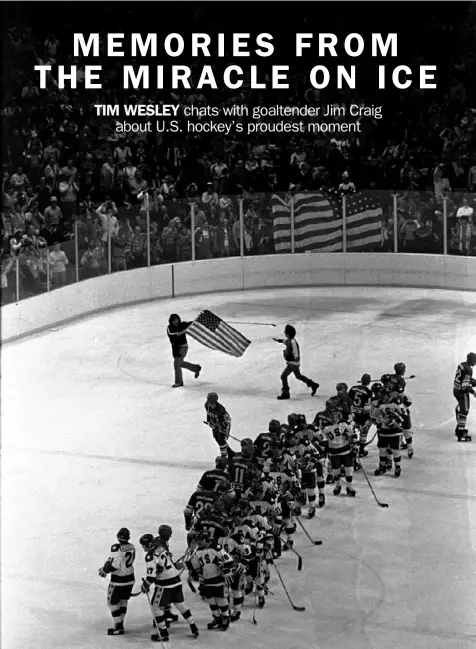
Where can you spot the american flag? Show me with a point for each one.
(213, 332)
(318, 222)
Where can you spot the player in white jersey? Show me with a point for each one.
(120, 565)
(341, 438)
(241, 554)
(164, 575)
(213, 565)
(389, 416)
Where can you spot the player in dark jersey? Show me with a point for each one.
(345, 403)
(199, 501)
(243, 466)
(463, 386)
(212, 478)
(219, 421)
(265, 443)
(212, 522)
(361, 396)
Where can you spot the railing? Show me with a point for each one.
(256, 224)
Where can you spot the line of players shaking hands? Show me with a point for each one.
(242, 514)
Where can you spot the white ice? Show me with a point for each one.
(94, 438)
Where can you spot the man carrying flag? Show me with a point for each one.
(208, 329)
(178, 339)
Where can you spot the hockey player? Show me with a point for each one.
(463, 386)
(120, 566)
(345, 403)
(389, 417)
(212, 565)
(219, 421)
(327, 417)
(164, 575)
(292, 356)
(361, 396)
(241, 554)
(341, 439)
(243, 466)
(288, 489)
(398, 384)
(199, 501)
(266, 443)
(215, 479)
(310, 468)
(211, 522)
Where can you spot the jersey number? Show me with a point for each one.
(358, 401)
(129, 559)
(239, 474)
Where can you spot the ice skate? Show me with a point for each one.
(322, 500)
(235, 616)
(463, 435)
(118, 629)
(381, 470)
(337, 490)
(398, 470)
(214, 624)
(311, 513)
(161, 636)
(225, 623)
(350, 491)
(410, 453)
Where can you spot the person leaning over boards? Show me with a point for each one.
(178, 339)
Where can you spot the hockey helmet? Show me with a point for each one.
(332, 403)
(274, 426)
(400, 368)
(147, 541)
(246, 442)
(212, 397)
(366, 379)
(341, 387)
(165, 532)
(220, 462)
(377, 388)
(471, 358)
(123, 534)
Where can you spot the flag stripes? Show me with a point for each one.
(318, 224)
(213, 332)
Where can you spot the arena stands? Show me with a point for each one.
(80, 199)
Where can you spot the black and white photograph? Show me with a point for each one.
(238, 325)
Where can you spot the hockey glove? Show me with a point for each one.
(102, 572)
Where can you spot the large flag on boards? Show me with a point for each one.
(318, 222)
(215, 333)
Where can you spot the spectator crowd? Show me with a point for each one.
(75, 193)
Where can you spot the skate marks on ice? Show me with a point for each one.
(193, 466)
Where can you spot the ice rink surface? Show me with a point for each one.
(94, 438)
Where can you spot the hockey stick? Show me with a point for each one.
(259, 324)
(406, 378)
(256, 592)
(384, 505)
(307, 533)
(155, 621)
(139, 592)
(296, 608)
(191, 585)
(299, 566)
(232, 436)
